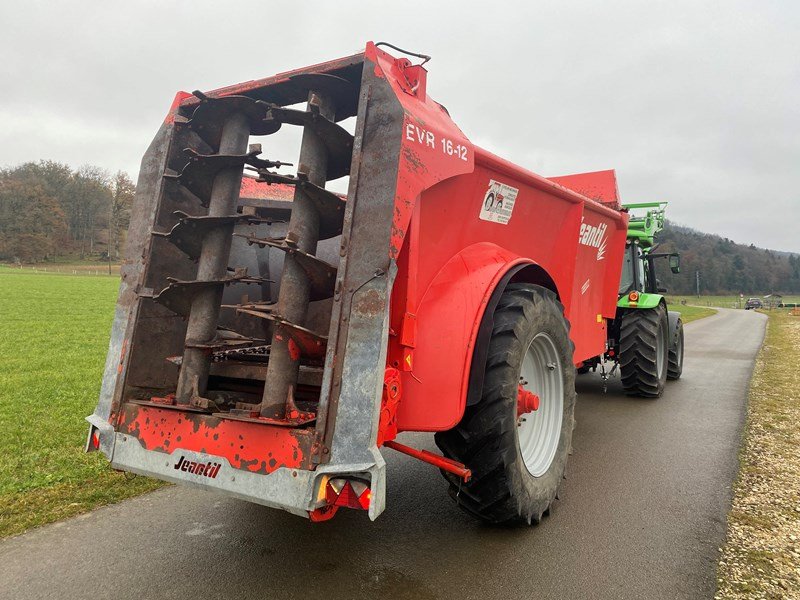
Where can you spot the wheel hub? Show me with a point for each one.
(526, 401)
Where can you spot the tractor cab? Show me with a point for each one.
(638, 266)
(634, 274)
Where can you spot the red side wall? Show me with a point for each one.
(458, 259)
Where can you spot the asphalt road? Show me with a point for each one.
(642, 515)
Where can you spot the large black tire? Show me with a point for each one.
(675, 361)
(643, 351)
(502, 489)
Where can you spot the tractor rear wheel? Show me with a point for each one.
(517, 461)
(675, 366)
(643, 351)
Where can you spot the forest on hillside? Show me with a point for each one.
(725, 267)
(49, 211)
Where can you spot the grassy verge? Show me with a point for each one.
(761, 558)
(53, 341)
(692, 313)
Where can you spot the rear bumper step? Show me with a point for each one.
(297, 491)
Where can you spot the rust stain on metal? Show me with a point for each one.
(413, 161)
(255, 447)
(370, 302)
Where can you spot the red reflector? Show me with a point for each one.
(95, 440)
(341, 492)
(347, 497)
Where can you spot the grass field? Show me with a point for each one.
(761, 558)
(692, 313)
(53, 340)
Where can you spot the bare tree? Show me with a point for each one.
(123, 190)
(87, 199)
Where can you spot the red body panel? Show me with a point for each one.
(599, 185)
(457, 269)
(433, 148)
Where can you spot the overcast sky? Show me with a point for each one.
(692, 102)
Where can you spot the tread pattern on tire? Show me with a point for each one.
(675, 362)
(639, 332)
(485, 439)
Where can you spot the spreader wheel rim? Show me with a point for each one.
(539, 432)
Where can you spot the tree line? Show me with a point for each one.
(48, 210)
(725, 267)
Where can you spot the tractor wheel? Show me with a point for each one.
(675, 366)
(643, 351)
(517, 462)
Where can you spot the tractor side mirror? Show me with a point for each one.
(675, 263)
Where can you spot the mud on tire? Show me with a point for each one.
(502, 488)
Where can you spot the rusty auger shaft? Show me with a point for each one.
(295, 288)
(213, 264)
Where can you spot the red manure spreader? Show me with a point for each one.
(272, 336)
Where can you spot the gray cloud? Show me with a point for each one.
(691, 102)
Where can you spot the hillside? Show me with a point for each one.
(725, 267)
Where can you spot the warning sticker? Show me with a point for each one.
(498, 202)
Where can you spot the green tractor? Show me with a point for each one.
(645, 338)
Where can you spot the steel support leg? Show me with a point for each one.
(293, 298)
(213, 264)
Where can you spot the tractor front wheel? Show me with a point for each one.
(643, 351)
(517, 460)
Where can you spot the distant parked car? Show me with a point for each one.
(753, 303)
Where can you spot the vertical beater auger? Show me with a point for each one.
(201, 298)
(216, 179)
(300, 268)
(213, 263)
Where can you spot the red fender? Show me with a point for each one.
(448, 318)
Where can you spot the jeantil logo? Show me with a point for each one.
(594, 237)
(209, 469)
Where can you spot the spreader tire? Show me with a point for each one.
(675, 366)
(517, 466)
(643, 351)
